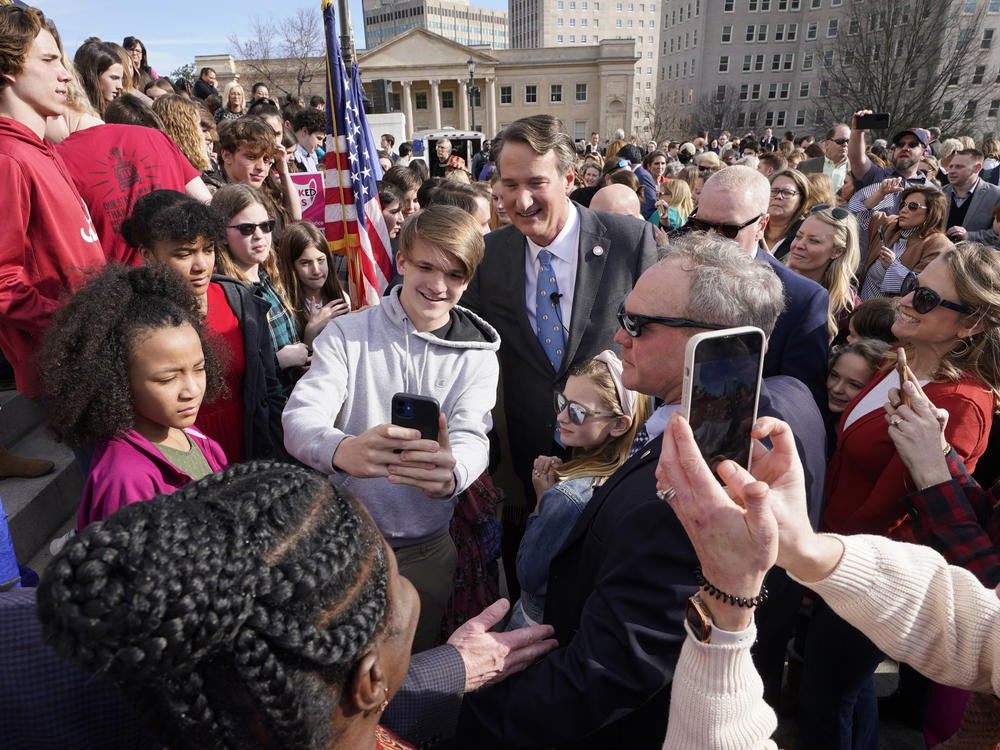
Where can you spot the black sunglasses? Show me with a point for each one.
(838, 212)
(909, 144)
(578, 413)
(729, 231)
(925, 299)
(840, 141)
(632, 324)
(247, 228)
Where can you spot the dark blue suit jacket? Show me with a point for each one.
(800, 343)
(616, 596)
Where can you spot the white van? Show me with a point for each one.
(464, 143)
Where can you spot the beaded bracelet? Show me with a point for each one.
(738, 601)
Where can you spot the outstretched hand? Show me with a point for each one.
(736, 540)
(490, 657)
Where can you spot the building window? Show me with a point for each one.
(581, 92)
(793, 29)
(420, 99)
(755, 92)
(811, 30)
(559, 21)
(772, 91)
(752, 6)
(804, 90)
(824, 88)
(559, 38)
(782, 4)
(947, 110)
(506, 94)
(720, 92)
(994, 6)
(762, 32)
(750, 30)
(555, 93)
(724, 64)
(807, 61)
(789, 61)
(953, 78)
(758, 63)
(994, 106)
(816, 4)
(977, 76)
(795, 5)
(769, 119)
(987, 38)
(447, 100)
(828, 58)
(747, 63)
(776, 62)
(800, 117)
(831, 29)
(779, 32)
(618, 25)
(530, 94)
(970, 108)
(744, 91)
(741, 119)
(783, 91)
(765, 5)
(728, 5)
(780, 119)
(970, 6)
(752, 120)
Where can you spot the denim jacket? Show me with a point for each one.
(558, 510)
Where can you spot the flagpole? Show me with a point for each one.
(346, 33)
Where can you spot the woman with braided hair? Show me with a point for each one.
(255, 608)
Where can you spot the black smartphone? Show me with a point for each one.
(722, 374)
(881, 235)
(874, 121)
(416, 412)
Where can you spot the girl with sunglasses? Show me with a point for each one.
(949, 325)
(247, 254)
(169, 228)
(825, 249)
(900, 244)
(598, 418)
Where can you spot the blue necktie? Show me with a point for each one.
(548, 322)
(641, 438)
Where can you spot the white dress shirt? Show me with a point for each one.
(309, 160)
(565, 249)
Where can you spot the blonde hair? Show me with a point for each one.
(680, 198)
(820, 191)
(452, 232)
(179, 115)
(838, 278)
(231, 199)
(601, 461)
(225, 96)
(975, 271)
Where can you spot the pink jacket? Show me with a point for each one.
(128, 468)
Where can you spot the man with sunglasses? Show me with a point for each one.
(834, 163)
(734, 203)
(617, 588)
(907, 150)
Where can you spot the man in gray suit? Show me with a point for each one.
(558, 266)
(834, 163)
(970, 199)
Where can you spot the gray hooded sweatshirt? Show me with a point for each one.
(359, 362)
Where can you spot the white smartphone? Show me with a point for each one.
(722, 374)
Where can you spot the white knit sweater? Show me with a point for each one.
(913, 605)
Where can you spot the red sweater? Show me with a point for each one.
(866, 480)
(47, 244)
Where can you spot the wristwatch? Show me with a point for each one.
(699, 619)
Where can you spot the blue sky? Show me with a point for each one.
(177, 30)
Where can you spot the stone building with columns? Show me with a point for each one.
(588, 87)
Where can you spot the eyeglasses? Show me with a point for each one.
(912, 205)
(924, 299)
(704, 168)
(840, 141)
(729, 231)
(578, 413)
(782, 194)
(837, 212)
(248, 228)
(632, 323)
(909, 144)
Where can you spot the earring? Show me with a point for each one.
(385, 702)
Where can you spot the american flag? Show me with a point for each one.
(353, 216)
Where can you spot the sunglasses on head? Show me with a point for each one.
(247, 228)
(578, 413)
(837, 212)
(632, 323)
(729, 231)
(925, 299)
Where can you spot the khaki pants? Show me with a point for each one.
(430, 567)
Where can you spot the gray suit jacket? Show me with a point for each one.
(603, 279)
(979, 218)
(811, 165)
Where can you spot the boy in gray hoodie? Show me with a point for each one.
(417, 341)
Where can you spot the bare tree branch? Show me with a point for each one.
(283, 53)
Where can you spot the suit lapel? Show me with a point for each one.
(589, 272)
(512, 285)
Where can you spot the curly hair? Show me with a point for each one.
(183, 125)
(231, 612)
(170, 215)
(19, 28)
(84, 358)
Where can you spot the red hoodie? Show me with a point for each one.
(47, 245)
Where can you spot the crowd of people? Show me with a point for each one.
(271, 552)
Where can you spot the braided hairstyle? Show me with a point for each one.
(231, 612)
(84, 359)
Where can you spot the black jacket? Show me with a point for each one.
(263, 399)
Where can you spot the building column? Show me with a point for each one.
(463, 104)
(408, 107)
(436, 104)
(491, 107)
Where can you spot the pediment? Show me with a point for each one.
(418, 47)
